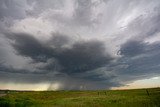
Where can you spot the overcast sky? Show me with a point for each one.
(79, 44)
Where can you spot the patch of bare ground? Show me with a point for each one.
(1, 95)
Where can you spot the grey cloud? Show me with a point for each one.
(133, 48)
(58, 41)
(83, 59)
(27, 45)
(10, 11)
(146, 25)
(12, 8)
(62, 63)
(141, 60)
(81, 56)
(84, 56)
(74, 63)
(83, 12)
(38, 6)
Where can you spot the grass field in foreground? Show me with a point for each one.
(99, 98)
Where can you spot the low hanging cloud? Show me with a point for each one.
(84, 61)
(80, 56)
(62, 59)
(27, 45)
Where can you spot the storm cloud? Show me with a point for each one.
(78, 57)
(79, 44)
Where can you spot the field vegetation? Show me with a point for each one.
(98, 98)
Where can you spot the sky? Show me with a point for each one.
(79, 44)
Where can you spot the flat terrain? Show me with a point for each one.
(2, 95)
(99, 98)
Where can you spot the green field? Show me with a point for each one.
(103, 98)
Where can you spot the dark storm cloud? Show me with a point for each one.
(28, 46)
(85, 60)
(60, 61)
(81, 56)
(9, 69)
(139, 60)
(133, 48)
(84, 56)
(26, 58)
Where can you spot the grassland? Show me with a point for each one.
(103, 98)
